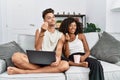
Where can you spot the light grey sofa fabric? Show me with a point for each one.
(91, 38)
(40, 76)
(2, 66)
(26, 41)
(111, 72)
(77, 73)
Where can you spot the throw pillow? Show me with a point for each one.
(107, 49)
(7, 50)
(2, 66)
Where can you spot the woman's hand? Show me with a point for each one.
(82, 58)
(67, 37)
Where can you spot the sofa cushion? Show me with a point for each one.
(2, 66)
(91, 38)
(26, 41)
(7, 50)
(77, 73)
(118, 63)
(43, 76)
(111, 72)
(107, 48)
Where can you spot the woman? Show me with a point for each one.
(76, 44)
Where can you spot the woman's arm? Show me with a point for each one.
(66, 45)
(66, 49)
(85, 45)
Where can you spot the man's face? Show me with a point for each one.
(50, 19)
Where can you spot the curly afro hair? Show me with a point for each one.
(65, 25)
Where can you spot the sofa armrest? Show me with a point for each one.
(2, 66)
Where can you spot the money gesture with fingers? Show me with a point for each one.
(67, 37)
(44, 27)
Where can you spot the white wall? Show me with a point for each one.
(96, 12)
(0, 24)
(19, 14)
(99, 12)
(112, 18)
(3, 20)
(25, 12)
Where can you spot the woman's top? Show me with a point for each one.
(50, 40)
(76, 46)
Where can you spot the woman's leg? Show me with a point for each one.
(72, 63)
(96, 70)
(81, 64)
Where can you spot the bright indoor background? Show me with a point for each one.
(25, 16)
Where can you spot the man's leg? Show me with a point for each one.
(21, 61)
(63, 66)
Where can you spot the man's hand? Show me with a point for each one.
(44, 27)
(56, 63)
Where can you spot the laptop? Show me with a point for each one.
(41, 57)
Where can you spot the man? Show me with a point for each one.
(47, 38)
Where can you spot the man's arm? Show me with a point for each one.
(59, 51)
(39, 36)
(59, 47)
(38, 39)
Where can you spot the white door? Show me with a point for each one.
(22, 17)
(3, 28)
(0, 24)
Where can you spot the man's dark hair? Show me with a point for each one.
(65, 25)
(49, 10)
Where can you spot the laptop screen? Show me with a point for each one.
(41, 57)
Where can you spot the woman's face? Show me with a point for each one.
(72, 28)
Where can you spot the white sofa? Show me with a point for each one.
(111, 71)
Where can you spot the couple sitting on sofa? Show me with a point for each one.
(69, 38)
